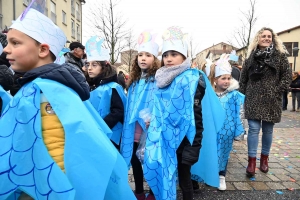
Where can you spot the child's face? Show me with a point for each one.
(145, 60)
(94, 69)
(172, 58)
(22, 51)
(223, 82)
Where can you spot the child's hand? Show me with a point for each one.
(147, 124)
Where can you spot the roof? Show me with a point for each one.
(288, 30)
(216, 45)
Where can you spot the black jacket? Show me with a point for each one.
(190, 153)
(70, 58)
(295, 84)
(236, 73)
(121, 80)
(116, 105)
(65, 74)
(6, 80)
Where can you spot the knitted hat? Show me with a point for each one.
(223, 66)
(95, 51)
(173, 40)
(147, 44)
(39, 27)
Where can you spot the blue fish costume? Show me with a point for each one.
(93, 167)
(101, 100)
(232, 102)
(6, 97)
(140, 96)
(171, 121)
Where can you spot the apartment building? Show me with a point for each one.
(67, 14)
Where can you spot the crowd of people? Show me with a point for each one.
(72, 130)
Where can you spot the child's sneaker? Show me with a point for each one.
(222, 183)
(141, 196)
(150, 197)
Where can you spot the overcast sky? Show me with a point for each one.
(209, 22)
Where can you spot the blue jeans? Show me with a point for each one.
(253, 134)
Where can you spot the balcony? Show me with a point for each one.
(73, 33)
(78, 16)
(53, 17)
(73, 11)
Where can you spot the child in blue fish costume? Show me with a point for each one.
(107, 96)
(140, 96)
(51, 145)
(232, 102)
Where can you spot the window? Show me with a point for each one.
(77, 12)
(46, 9)
(64, 18)
(73, 28)
(289, 47)
(78, 32)
(26, 2)
(53, 11)
(72, 8)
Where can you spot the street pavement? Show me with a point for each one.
(281, 182)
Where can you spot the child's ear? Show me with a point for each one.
(44, 50)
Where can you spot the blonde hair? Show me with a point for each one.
(275, 39)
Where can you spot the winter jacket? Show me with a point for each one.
(295, 84)
(70, 58)
(263, 97)
(116, 107)
(6, 80)
(121, 80)
(65, 74)
(190, 153)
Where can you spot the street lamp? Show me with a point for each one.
(295, 54)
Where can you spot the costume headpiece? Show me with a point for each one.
(147, 43)
(39, 27)
(95, 51)
(223, 66)
(207, 66)
(233, 56)
(174, 40)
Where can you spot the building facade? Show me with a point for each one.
(213, 53)
(291, 40)
(66, 14)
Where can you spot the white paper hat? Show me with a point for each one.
(1, 48)
(41, 28)
(95, 51)
(207, 66)
(147, 43)
(223, 66)
(173, 40)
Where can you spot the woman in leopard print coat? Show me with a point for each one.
(265, 75)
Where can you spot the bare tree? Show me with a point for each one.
(108, 23)
(242, 35)
(127, 57)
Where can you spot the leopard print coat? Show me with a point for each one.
(263, 98)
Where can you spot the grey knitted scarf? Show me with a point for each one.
(165, 75)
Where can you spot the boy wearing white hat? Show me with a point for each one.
(53, 146)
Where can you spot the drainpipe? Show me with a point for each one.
(14, 9)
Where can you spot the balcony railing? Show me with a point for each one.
(73, 11)
(78, 16)
(73, 33)
(53, 17)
